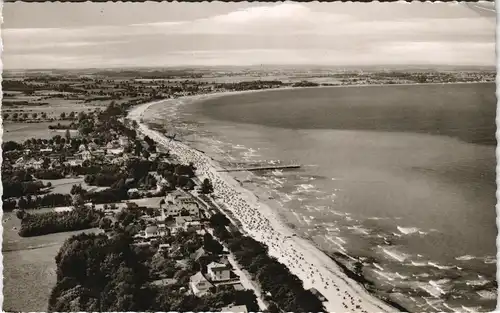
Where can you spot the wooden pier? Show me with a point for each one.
(260, 168)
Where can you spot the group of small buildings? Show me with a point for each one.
(181, 211)
(112, 152)
(217, 274)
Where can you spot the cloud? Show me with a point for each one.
(284, 33)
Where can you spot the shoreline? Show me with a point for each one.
(313, 252)
(296, 253)
(217, 94)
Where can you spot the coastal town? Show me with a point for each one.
(165, 228)
(100, 171)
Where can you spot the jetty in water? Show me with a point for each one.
(260, 168)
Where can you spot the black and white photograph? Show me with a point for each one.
(249, 157)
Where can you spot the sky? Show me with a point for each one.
(85, 35)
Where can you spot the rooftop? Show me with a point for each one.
(217, 266)
(235, 309)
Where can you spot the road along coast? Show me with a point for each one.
(260, 222)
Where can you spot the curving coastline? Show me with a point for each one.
(258, 220)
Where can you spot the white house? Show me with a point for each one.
(74, 162)
(123, 140)
(172, 210)
(86, 155)
(99, 152)
(163, 247)
(180, 221)
(218, 272)
(191, 206)
(199, 285)
(193, 225)
(133, 192)
(37, 164)
(151, 231)
(235, 309)
(114, 152)
(175, 204)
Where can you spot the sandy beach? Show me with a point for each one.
(259, 221)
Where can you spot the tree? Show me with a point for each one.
(219, 220)
(21, 214)
(34, 115)
(46, 163)
(138, 148)
(77, 189)
(67, 135)
(10, 146)
(22, 203)
(207, 187)
(77, 200)
(105, 223)
(273, 308)
(63, 115)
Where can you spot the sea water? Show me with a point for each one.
(397, 179)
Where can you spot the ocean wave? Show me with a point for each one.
(385, 275)
(477, 282)
(277, 172)
(376, 218)
(432, 289)
(359, 230)
(487, 294)
(414, 263)
(441, 267)
(401, 276)
(336, 242)
(339, 213)
(239, 147)
(489, 260)
(422, 275)
(378, 266)
(305, 189)
(434, 304)
(465, 258)
(396, 255)
(471, 310)
(286, 197)
(407, 230)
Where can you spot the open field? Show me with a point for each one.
(23, 131)
(22, 273)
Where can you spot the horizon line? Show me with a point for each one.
(289, 66)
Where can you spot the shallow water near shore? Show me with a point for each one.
(411, 196)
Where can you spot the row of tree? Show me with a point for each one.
(37, 224)
(286, 289)
(36, 202)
